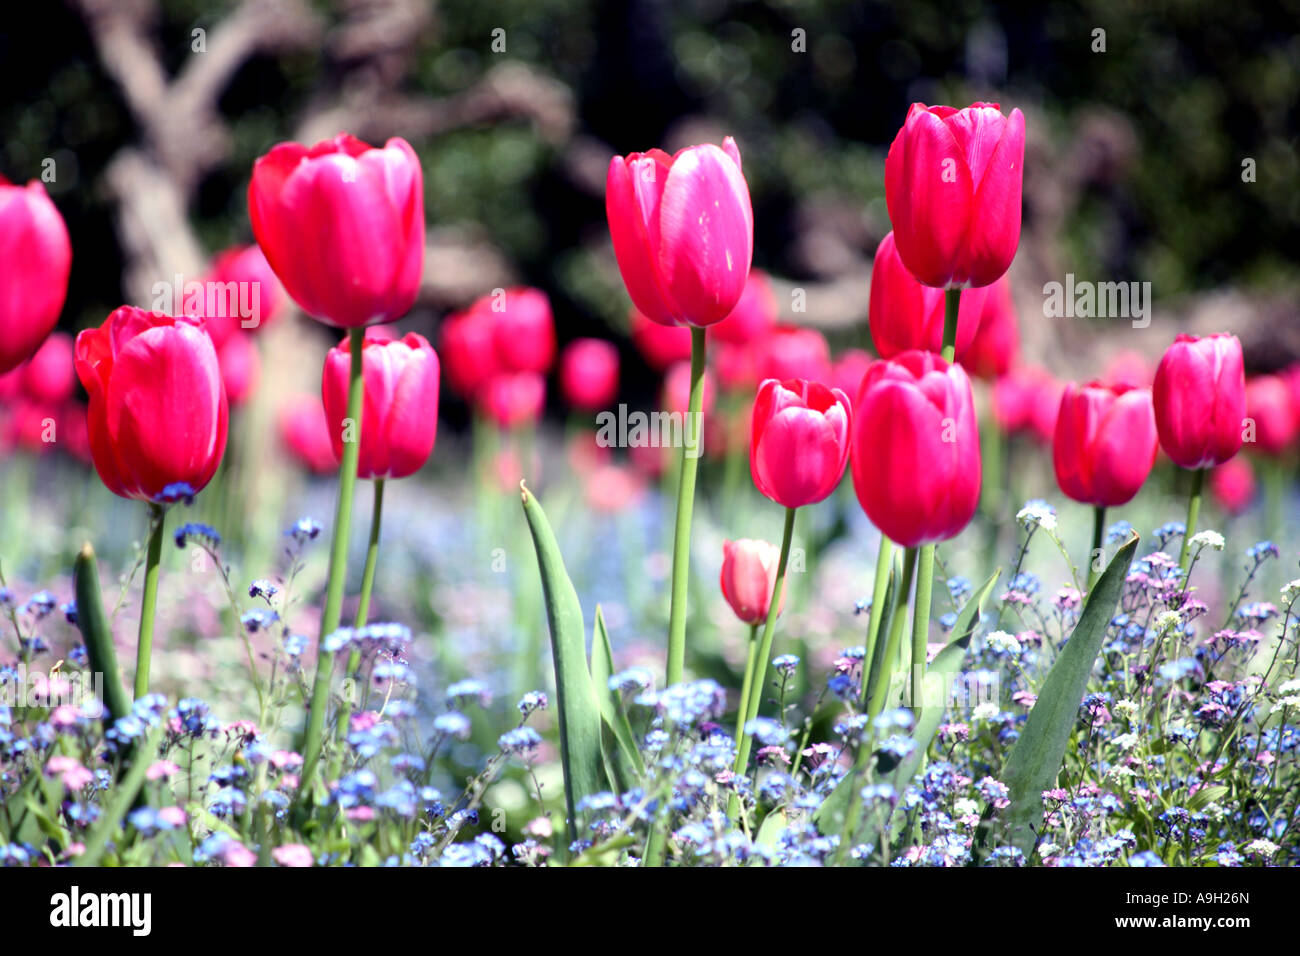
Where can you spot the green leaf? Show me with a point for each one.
(1205, 796)
(579, 713)
(602, 668)
(111, 820)
(95, 632)
(1037, 756)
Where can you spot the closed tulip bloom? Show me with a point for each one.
(799, 440)
(1027, 399)
(48, 377)
(342, 225)
(306, 433)
(468, 349)
(1105, 443)
(244, 278)
(737, 365)
(849, 370)
(676, 393)
(1127, 367)
(749, 577)
(1269, 408)
(35, 259)
(683, 231)
(1200, 400)
(589, 373)
(996, 345)
(916, 448)
(523, 329)
(753, 316)
(794, 352)
(660, 345)
(905, 315)
(158, 412)
(1233, 484)
(399, 420)
(953, 181)
(241, 367)
(514, 398)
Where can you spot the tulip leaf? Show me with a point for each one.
(579, 713)
(602, 668)
(95, 632)
(1037, 756)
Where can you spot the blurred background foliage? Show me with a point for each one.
(1141, 147)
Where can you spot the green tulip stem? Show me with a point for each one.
(1096, 554)
(338, 569)
(951, 310)
(1193, 514)
(884, 562)
(880, 689)
(921, 620)
(149, 601)
(751, 656)
(693, 442)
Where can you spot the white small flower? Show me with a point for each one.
(1168, 620)
(1290, 687)
(1264, 848)
(1002, 641)
(1048, 849)
(965, 807)
(1039, 513)
(1125, 708)
(985, 711)
(1284, 703)
(1291, 589)
(1126, 741)
(1207, 539)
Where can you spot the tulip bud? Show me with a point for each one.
(749, 577)
(35, 259)
(1105, 443)
(754, 315)
(1200, 400)
(48, 377)
(342, 225)
(1233, 484)
(306, 433)
(660, 345)
(247, 286)
(683, 231)
(916, 448)
(905, 315)
(589, 373)
(241, 367)
(794, 352)
(1027, 398)
(799, 440)
(399, 418)
(849, 370)
(953, 181)
(1269, 408)
(468, 349)
(514, 398)
(996, 345)
(523, 329)
(158, 411)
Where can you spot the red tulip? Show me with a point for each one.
(1200, 400)
(514, 398)
(468, 350)
(683, 231)
(1105, 443)
(35, 259)
(1269, 408)
(589, 373)
(905, 315)
(158, 410)
(996, 345)
(793, 352)
(661, 345)
(916, 448)
(306, 433)
(399, 420)
(1233, 484)
(48, 377)
(754, 315)
(342, 225)
(1027, 398)
(849, 370)
(749, 577)
(241, 367)
(952, 185)
(799, 440)
(523, 329)
(254, 286)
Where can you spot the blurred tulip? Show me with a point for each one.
(468, 349)
(158, 412)
(749, 577)
(799, 441)
(48, 377)
(849, 370)
(1105, 443)
(953, 181)
(1269, 409)
(754, 315)
(523, 329)
(241, 367)
(35, 259)
(399, 420)
(1129, 368)
(611, 488)
(306, 433)
(1200, 400)
(683, 231)
(512, 399)
(676, 394)
(1233, 484)
(342, 225)
(661, 345)
(737, 365)
(996, 345)
(1028, 399)
(589, 374)
(916, 448)
(254, 285)
(905, 315)
(794, 352)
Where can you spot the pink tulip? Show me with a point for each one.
(953, 181)
(1027, 398)
(1130, 368)
(1269, 408)
(916, 448)
(48, 377)
(468, 349)
(399, 417)
(676, 395)
(1233, 484)
(512, 399)
(589, 373)
(1200, 400)
(794, 352)
(996, 345)
(243, 277)
(683, 231)
(1105, 443)
(342, 225)
(850, 369)
(749, 577)
(35, 260)
(754, 315)
(799, 441)
(241, 367)
(523, 329)
(306, 433)
(905, 315)
(660, 345)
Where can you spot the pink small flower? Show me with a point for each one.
(361, 814)
(234, 853)
(161, 770)
(64, 717)
(173, 816)
(281, 759)
(293, 854)
(364, 721)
